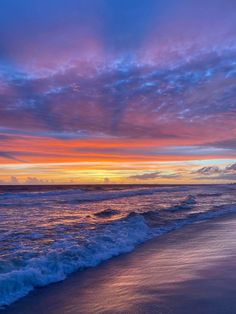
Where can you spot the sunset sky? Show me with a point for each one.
(117, 91)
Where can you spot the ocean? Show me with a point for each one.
(49, 232)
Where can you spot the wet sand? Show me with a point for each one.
(192, 270)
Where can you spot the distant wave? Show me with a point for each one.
(80, 196)
(186, 204)
(101, 196)
(107, 213)
(209, 194)
(40, 193)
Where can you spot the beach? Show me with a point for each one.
(187, 270)
(118, 157)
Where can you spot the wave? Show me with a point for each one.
(30, 194)
(74, 196)
(209, 194)
(101, 196)
(186, 204)
(65, 258)
(110, 240)
(106, 213)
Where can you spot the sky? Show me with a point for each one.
(117, 91)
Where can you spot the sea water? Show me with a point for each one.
(47, 233)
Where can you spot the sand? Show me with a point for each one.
(192, 270)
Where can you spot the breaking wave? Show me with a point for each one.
(110, 239)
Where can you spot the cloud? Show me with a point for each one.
(36, 181)
(146, 176)
(231, 168)
(13, 180)
(106, 181)
(227, 173)
(214, 170)
(171, 176)
(154, 175)
(211, 170)
(96, 78)
(10, 155)
(226, 144)
(4, 137)
(126, 99)
(224, 177)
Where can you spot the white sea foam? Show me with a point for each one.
(66, 258)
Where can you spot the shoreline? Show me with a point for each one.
(184, 270)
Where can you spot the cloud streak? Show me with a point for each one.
(154, 175)
(227, 173)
